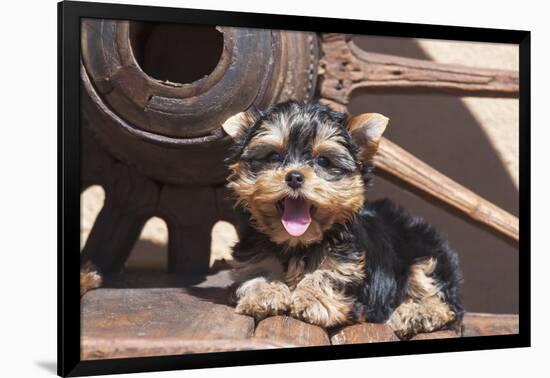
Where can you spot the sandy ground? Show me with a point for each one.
(498, 117)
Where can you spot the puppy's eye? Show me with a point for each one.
(274, 157)
(322, 161)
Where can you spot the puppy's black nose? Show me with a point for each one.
(294, 179)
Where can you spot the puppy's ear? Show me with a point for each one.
(237, 125)
(366, 131)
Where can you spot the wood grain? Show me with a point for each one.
(93, 348)
(284, 329)
(444, 334)
(480, 324)
(363, 333)
(156, 314)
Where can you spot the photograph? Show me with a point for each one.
(261, 189)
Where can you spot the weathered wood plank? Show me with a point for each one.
(156, 314)
(443, 334)
(363, 333)
(283, 329)
(93, 348)
(479, 324)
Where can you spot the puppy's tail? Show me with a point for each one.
(90, 278)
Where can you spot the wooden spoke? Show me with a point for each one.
(393, 161)
(345, 68)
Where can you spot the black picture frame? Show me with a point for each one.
(69, 15)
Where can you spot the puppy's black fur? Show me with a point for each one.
(395, 240)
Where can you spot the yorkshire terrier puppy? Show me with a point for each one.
(311, 246)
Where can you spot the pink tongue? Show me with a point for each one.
(296, 218)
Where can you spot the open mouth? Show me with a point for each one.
(295, 215)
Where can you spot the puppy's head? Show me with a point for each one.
(297, 168)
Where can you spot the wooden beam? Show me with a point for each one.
(345, 68)
(481, 324)
(152, 314)
(399, 164)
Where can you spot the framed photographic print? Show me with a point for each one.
(235, 187)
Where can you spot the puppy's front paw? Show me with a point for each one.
(318, 308)
(260, 298)
(306, 307)
(411, 318)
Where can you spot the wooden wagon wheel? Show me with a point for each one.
(157, 146)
